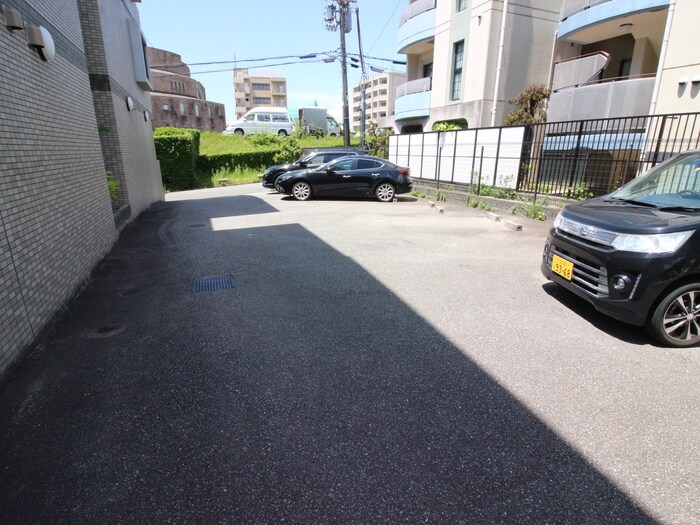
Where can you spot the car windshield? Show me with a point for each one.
(675, 184)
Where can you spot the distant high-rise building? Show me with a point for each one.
(254, 88)
(380, 93)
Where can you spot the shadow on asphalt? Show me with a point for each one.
(307, 393)
(630, 334)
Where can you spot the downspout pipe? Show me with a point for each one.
(662, 57)
(499, 63)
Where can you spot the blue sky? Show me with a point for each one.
(227, 30)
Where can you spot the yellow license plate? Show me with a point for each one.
(562, 267)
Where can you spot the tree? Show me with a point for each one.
(529, 106)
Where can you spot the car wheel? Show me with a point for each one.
(238, 132)
(676, 320)
(385, 192)
(301, 191)
(282, 133)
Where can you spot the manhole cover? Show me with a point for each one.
(213, 284)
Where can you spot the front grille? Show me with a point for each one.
(588, 276)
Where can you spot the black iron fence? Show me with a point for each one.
(569, 159)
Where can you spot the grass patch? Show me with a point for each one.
(235, 176)
(212, 143)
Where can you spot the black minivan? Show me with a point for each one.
(635, 253)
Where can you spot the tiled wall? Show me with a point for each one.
(56, 218)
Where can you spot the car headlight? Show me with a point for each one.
(557, 220)
(655, 243)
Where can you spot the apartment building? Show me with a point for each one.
(621, 58)
(254, 88)
(75, 107)
(177, 99)
(458, 68)
(380, 93)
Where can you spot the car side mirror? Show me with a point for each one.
(330, 169)
(303, 163)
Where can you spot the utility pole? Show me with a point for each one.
(363, 83)
(335, 17)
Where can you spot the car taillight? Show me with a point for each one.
(405, 172)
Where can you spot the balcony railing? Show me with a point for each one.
(610, 99)
(416, 8)
(414, 86)
(580, 70)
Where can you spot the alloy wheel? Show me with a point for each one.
(385, 192)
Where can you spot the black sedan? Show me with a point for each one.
(362, 176)
(311, 160)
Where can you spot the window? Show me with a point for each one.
(382, 80)
(462, 5)
(262, 100)
(183, 109)
(366, 164)
(166, 107)
(197, 110)
(344, 164)
(280, 118)
(428, 70)
(209, 109)
(249, 118)
(263, 117)
(457, 63)
(258, 86)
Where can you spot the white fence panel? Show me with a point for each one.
(464, 156)
(460, 155)
(430, 153)
(509, 156)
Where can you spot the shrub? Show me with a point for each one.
(177, 150)
(210, 164)
(289, 152)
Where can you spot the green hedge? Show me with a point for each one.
(177, 150)
(210, 164)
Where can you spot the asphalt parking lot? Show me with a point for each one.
(358, 362)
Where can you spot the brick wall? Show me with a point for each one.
(172, 86)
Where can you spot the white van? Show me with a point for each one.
(262, 120)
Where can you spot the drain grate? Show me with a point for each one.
(213, 284)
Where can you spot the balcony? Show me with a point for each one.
(413, 99)
(617, 98)
(583, 20)
(417, 27)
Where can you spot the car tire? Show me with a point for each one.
(385, 192)
(676, 320)
(239, 133)
(301, 191)
(282, 133)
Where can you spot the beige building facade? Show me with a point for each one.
(622, 58)
(254, 88)
(456, 65)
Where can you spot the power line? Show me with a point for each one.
(306, 56)
(385, 26)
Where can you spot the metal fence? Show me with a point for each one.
(557, 158)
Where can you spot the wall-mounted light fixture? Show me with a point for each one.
(40, 40)
(129, 103)
(683, 81)
(146, 116)
(13, 18)
(695, 80)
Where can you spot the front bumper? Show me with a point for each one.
(595, 269)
